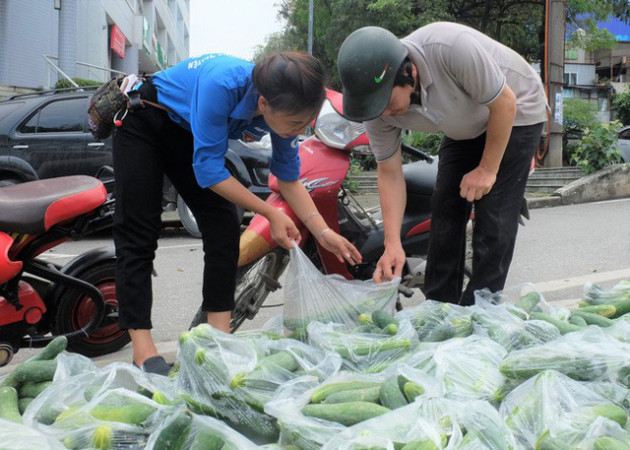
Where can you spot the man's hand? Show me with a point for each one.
(283, 230)
(393, 258)
(340, 247)
(477, 183)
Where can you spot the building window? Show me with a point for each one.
(570, 79)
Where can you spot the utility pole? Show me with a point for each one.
(554, 76)
(310, 27)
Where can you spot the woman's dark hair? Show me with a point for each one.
(291, 82)
(404, 76)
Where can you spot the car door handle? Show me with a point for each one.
(96, 144)
(19, 147)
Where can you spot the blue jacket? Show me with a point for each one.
(214, 97)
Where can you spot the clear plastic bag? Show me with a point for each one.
(594, 294)
(232, 377)
(553, 408)
(310, 296)
(500, 323)
(436, 321)
(467, 367)
(15, 436)
(586, 355)
(361, 351)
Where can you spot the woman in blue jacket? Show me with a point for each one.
(211, 99)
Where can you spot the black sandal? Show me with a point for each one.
(155, 364)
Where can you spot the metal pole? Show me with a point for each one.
(310, 27)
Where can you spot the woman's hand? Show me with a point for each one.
(339, 246)
(393, 258)
(283, 230)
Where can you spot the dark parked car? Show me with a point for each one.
(45, 134)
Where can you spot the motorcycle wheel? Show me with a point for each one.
(74, 310)
(189, 222)
(254, 282)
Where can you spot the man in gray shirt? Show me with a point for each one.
(489, 103)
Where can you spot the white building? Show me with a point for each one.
(89, 39)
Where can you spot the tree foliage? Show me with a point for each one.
(519, 24)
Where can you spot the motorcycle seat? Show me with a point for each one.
(35, 206)
(420, 177)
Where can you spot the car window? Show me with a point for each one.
(61, 116)
(8, 108)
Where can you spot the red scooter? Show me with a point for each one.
(40, 300)
(325, 163)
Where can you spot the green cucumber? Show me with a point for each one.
(412, 390)
(174, 435)
(562, 326)
(282, 359)
(577, 320)
(612, 412)
(546, 442)
(321, 393)
(593, 319)
(602, 310)
(120, 408)
(621, 307)
(528, 301)
(54, 347)
(373, 347)
(9, 409)
(382, 319)
(390, 394)
(36, 371)
(23, 403)
(33, 389)
(347, 414)
(207, 439)
(103, 437)
(610, 443)
(355, 395)
(425, 444)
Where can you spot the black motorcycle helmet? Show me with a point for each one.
(368, 61)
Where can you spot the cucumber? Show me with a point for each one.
(321, 393)
(119, 408)
(546, 442)
(161, 399)
(347, 414)
(23, 403)
(174, 435)
(33, 389)
(610, 443)
(35, 371)
(207, 439)
(562, 326)
(382, 319)
(355, 395)
(282, 359)
(9, 409)
(412, 390)
(528, 301)
(612, 412)
(373, 347)
(103, 437)
(425, 444)
(621, 307)
(593, 319)
(577, 320)
(54, 347)
(390, 394)
(602, 310)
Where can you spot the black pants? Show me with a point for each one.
(147, 146)
(496, 217)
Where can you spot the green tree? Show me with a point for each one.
(597, 148)
(621, 102)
